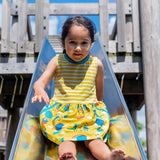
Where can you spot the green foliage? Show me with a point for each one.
(140, 126)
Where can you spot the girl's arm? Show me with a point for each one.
(40, 85)
(100, 81)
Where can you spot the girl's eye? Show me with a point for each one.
(84, 42)
(71, 42)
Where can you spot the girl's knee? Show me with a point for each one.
(92, 142)
(67, 156)
(67, 148)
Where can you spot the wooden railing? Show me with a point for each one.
(17, 37)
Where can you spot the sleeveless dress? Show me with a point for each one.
(74, 113)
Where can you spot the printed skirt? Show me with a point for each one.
(74, 122)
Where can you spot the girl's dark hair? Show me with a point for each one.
(78, 20)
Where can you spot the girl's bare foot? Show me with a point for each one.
(67, 156)
(130, 158)
(117, 154)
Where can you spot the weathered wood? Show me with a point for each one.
(113, 47)
(112, 8)
(5, 48)
(150, 23)
(30, 47)
(103, 17)
(26, 65)
(14, 29)
(46, 18)
(39, 25)
(136, 26)
(68, 8)
(129, 29)
(14, 37)
(43, 9)
(22, 25)
(121, 26)
(12, 126)
(74, 8)
(124, 64)
(17, 65)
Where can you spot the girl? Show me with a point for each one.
(76, 111)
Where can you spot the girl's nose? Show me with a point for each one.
(78, 47)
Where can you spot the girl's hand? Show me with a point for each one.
(40, 96)
(40, 85)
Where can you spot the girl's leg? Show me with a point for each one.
(67, 150)
(130, 158)
(102, 152)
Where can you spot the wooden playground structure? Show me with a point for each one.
(132, 48)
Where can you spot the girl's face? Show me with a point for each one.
(77, 43)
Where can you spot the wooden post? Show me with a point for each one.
(134, 117)
(150, 23)
(12, 127)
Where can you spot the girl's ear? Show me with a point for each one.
(63, 45)
(64, 51)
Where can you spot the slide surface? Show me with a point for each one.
(30, 144)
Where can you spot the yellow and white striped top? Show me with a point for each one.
(75, 82)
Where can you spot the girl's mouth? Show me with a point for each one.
(77, 54)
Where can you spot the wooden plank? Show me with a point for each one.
(129, 29)
(136, 26)
(14, 29)
(5, 26)
(14, 8)
(74, 8)
(25, 65)
(13, 47)
(127, 7)
(22, 25)
(30, 47)
(112, 8)
(150, 33)
(39, 25)
(124, 63)
(31, 10)
(46, 18)
(80, 8)
(103, 18)
(121, 26)
(14, 35)
(113, 47)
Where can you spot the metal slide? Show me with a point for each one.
(30, 144)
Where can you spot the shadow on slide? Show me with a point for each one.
(29, 143)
